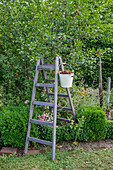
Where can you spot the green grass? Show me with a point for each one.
(74, 159)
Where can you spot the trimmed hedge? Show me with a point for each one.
(109, 134)
(94, 127)
(63, 133)
(95, 123)
(14, 122)
(13, 125)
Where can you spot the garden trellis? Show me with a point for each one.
(41, 66)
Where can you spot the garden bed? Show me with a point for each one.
(65, 146)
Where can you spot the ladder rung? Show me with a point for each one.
(64, 108)
(61, 95)
(62, 119)
(40, 141)
(51, 80)
(44, 85)
(44, 103)
(41, 122)
(46, 66)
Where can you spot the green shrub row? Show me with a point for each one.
(92, 125)
(14, 120)
(66, 133)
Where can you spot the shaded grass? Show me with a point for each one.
(74, 159)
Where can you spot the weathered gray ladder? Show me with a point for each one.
(41, 65)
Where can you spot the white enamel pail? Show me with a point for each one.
(66, 80)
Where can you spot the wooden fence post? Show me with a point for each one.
(100, 82)
(108, 91)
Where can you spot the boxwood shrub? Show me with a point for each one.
(95, 123)
(63, 133)
(95, 127)
(13, 125)
(109, 134)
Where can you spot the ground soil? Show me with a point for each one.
(70, 145)
(64, 146)
(86, 145)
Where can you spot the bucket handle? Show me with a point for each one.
(66, 64)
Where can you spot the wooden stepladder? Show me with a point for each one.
(41, 66)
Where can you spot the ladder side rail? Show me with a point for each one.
(45, 76)
(31, 106)
(55, 109)
(61, 64)
(68, 92)
(71, 104)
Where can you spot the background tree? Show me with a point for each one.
(79, 32)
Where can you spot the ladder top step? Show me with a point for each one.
(44, 85)
(40, 141)
(46, 66)
(41, 122)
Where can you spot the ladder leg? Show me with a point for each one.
(31, 106)
(28, 131)
(55, 110)
(71, 104)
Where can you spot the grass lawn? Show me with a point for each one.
(74, 159)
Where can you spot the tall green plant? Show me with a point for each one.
(74, 30)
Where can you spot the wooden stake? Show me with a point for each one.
(108, 91)
(100, 82)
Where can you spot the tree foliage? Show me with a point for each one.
(78, 31)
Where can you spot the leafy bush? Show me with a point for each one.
(1, 104)
(67, 133)
(1, 142)
(17, 46)
(111, 97)
(14, 122)
(109, 129)
(63, 133)
(95, 123)
(13, 125)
